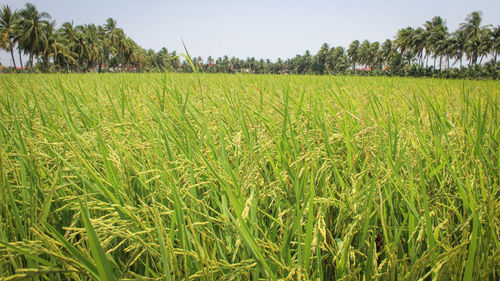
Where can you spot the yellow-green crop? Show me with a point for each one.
(248, 177)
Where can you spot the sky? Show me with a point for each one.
(260, 29)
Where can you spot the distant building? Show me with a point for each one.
(7, 67)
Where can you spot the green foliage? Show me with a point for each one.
(106, 48)
(247, 177)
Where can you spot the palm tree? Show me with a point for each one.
(337, 61)
(319, 65)
(55, 48)
(114, 37)
(331, 60)
(133, 54)
(386, 51)
(120, 46)
(8, 24)
(496, 42)
(88, 46)
(419, 41)
(210, 63)
(365, 53)
(449, 50)
(105, 41)
(32, 35)
(375, 60)
(3, 40)
(485, 43)
(440, 50)
(472, 28)
(404, 42)
(68, 36)
(436, 31)
(458, 46)
(353, 53)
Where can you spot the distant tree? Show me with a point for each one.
(459, 45)
(365, 53)
(474, 34)
(436, 32)
(54, 47)
(375, 61)
(9, 20)
(419, 43)
(89, 47)
(353, 53)
(386, 52)
(496, 42)
(318, 63)
(404, 42)
(31, 27)
(486, 42)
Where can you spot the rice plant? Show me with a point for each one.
(248, 177)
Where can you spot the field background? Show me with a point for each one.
(247, 177)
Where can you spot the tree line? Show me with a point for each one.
(429, 50)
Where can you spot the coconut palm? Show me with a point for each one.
(55, 49)
(404, 42)
(337, 60)
(88, 47)
(485, 43)
(459, 40)
(375, 59)
(319, 65)
(8, 24)
(419, 42)
(496, 42)
(114, 37)
(31, 27)
(386, 51)
(440, 49)
(68, 36)
(105, 42)
(353, 53)
(449, 50)
(3, 39)
(473, 32)
(133, 54)
(436, 32)
(365, 53)
(331, 60)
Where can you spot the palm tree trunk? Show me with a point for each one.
(31, 59)
(12, 55)
(20, 58)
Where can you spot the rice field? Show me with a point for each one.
(248, 177)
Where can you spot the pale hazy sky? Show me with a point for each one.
(262, 29)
